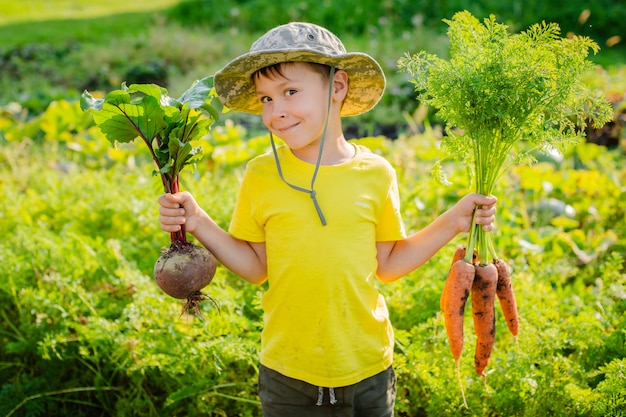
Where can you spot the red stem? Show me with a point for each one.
(174, 187)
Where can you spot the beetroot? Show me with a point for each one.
(184, 269)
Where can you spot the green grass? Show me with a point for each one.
(17, 11)
(58, 22)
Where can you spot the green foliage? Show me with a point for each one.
(79, 309)
(167, 126)
(15, 11)
(498, 89)
(368, 17)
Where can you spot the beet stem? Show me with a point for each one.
(174, 187)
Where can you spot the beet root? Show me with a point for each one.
(184, 269)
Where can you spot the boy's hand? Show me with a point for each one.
(178, 209)
(485, 211)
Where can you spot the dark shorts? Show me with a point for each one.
(282, 396)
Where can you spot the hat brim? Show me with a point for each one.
(236, 90)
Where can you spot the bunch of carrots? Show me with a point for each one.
(503, 98)
(484, 282)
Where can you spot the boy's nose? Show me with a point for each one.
(279, 111)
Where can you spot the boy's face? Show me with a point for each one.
(295, 104)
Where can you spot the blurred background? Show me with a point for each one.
(54, 49)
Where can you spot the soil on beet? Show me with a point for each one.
(180, 248)
(184, 269)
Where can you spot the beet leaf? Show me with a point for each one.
(169, 127)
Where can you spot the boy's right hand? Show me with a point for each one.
(178, 209)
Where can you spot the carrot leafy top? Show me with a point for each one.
(505, 96)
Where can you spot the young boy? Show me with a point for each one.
(320, 220)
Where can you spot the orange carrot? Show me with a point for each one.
(456, 290)
(453, 301)
(459, 253)
(483, 298)
(504, 291)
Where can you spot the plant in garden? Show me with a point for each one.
(169, 127)
(504, 96)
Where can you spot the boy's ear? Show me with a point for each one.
(340, 84)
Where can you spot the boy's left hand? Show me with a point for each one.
(485, 211)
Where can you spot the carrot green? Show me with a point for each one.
(505, 96)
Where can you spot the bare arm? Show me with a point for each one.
(398, 258)
(246, 259)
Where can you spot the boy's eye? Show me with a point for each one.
(288, 93)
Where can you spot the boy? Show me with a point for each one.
(320, 220)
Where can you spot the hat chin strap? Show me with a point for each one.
(312, 193)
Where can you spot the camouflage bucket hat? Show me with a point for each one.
(300, 42)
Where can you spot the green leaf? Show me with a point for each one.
(438, 174)
(151, 90)
(118, 97)
(183, 155)
(167, 168)
(166, 125)
(115, 125)
(199, 94)
(123, 122)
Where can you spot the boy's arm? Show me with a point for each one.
(398, 258)
(246, 259)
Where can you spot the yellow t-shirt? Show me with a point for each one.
(324, 320)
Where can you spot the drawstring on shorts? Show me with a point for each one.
(320, 396)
